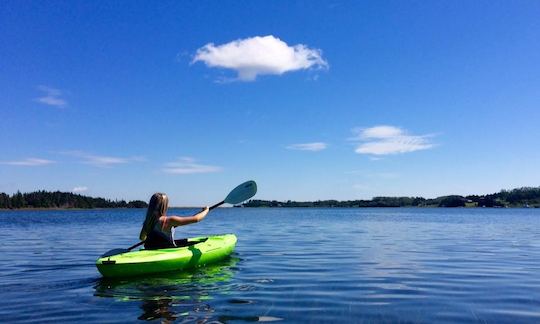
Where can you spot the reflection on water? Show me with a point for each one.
(170, 296)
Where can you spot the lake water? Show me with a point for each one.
(290, 265)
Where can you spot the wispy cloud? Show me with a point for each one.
(251, 57)
(187, 165)
(385, 140)
(314, 147)
(103, 160)
(28, 162)
(51, 97)
(80, 189)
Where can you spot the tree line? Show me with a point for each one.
(519, 197)
(57, 199)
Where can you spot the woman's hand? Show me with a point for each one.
(202, 214)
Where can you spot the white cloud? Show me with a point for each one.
(379, 132)
(51, 97)
(102, 160)
(254, 56)
(105, 160)
(187, 165)
(29, 162)
(314, 147)
(385, 140)
(80, 189)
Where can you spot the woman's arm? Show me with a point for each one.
(174, 221)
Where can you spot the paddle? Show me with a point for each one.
(239, 194)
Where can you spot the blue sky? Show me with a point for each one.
(313, 100)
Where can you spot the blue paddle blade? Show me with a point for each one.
(242, 193)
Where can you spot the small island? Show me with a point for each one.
(528, 197)
(62, 200)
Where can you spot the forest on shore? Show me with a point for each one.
(57, 199)
(519, 197)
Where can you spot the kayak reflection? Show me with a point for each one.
(170, 296)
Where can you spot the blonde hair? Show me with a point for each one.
(156, 208)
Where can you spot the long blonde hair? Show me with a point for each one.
(156, 208)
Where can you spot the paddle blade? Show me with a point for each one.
(242, 193)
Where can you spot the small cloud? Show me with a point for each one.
(314, 147)
(254, 56)
(51, 97)
(187, 165)
(29, 162)
(105, 160)
(102, 160)
(385, 140)
(378, 132)
(80, 189)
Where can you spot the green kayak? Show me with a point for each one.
(197, 252)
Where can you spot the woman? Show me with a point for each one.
(158, 229)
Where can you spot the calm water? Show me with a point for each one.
(290, 265)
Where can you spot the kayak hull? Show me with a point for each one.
(199, 252)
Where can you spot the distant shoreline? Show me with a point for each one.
(525, 197)
(266, 207)
(364, 207)
(68, 208)
(96, 208)
(396, 207)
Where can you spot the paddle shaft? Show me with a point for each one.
(217, 205)
(134, 246)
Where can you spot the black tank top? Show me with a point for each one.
(157, 239)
